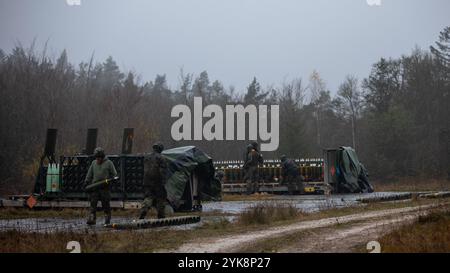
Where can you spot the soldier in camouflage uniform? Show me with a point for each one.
(101, 168)
(253, 158)
(290, 173)
(155, 168)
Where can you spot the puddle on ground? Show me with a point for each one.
(306, 203)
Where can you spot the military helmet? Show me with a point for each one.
(220, 174)
(249, 147)
(254, 145)
(99, 152)
(283, 158)
(158, 147)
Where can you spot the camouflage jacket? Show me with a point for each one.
(253, 159)
(98, 172)
(155, 169)
(289, 168)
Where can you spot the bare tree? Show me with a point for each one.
(349, 91)
(316, 87)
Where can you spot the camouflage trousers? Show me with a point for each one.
(154, 197)
(290, 181)
(103, 195)
(251, 179)
(293, 183)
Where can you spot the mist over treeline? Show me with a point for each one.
(398, 118)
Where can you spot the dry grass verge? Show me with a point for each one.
(269, 212)
(412, 184)
(65, 213)
(429, 233)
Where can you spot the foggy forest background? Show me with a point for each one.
(398, 118)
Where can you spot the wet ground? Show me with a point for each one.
(307, 203)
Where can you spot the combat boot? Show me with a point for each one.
(161, 215)
(249, 188)
(161, 209)
(143, 214)
(91, 219)
(107, 218)
(256, 187)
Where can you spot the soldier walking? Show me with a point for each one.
(155, 168)
(101, 168)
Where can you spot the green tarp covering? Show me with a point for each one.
(182, 163)
(353, 177)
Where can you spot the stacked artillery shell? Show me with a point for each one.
(52, 178)
(270, 171)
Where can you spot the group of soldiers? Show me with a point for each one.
(253, 158)
(155, 167)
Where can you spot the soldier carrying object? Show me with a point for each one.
(155, 168)
(290, 173)
(253, 159)
(101, 168)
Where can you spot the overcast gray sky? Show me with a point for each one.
(233, 40)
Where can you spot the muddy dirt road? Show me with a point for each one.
(336, 234)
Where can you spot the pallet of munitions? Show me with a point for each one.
(190, 175)
(270, 176)
(310, 169)
(65, 179)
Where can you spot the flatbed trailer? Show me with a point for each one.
(15, 202)
(277, 188)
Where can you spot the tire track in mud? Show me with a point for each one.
(233, 243)
(344, 239)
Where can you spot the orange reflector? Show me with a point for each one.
(31, 201)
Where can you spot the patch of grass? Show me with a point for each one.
(429, 234)
(124, 241)
(69, 213)
(66, 213)
(337, 212)
(218, 224)
(268, 212)
(128, 241)
(412, 184)
(274, 245)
